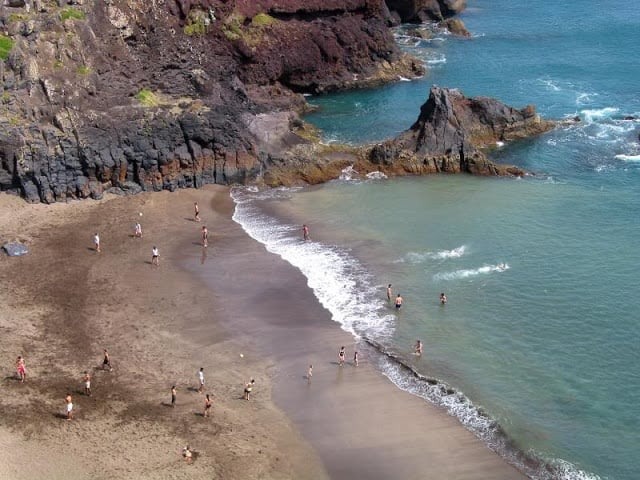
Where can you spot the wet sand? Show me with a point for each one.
(64, 303)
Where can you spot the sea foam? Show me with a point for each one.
(421, 257)
(341, 284)
(466, 273)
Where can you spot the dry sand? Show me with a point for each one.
(63, 303)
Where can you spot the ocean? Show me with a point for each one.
(536, 350)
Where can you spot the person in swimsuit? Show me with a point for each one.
(398, 302)
(207, 406)
(187, 454)
(205, 237)
(355, 358)
(155, 256)
(196, 212)
(305, 232)
(341, 355)
(418, 348)
(69, 403)
(21, 368)
(173, 396)
(96, 242)
(443, 298)
(106, 363)
(389, 292)
(87, 383)
(248, 388)
(309, 374)
(138, 230)
(201, 379)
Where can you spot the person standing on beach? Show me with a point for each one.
(355, 358)
(205, 237)
(341, 355)
(248, 388)
(398, 302)
(389, 293)
(173, 396)
(155, 256)
(309, 374)
(196, 212)
(201, 379)
(207, 406)
(96, 242)
(106, 363)
(443, 299)
(21, 368)
(418, 348)
(138, 230)
(87, 383)
(305, 232)
(69, 406)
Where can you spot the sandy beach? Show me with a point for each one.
(64, 303)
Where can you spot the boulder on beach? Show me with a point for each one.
(15, 249)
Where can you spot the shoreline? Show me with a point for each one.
(360, 423)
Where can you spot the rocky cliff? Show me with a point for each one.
(156, 94)
(452, 135)
(162, 94)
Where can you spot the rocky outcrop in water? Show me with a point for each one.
(452, 132)
(416, 11)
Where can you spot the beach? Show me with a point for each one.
(65, 303)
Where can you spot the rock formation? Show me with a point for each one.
(131, 95)
(416, 11)
(452, 131)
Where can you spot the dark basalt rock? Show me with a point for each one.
(417, 11)
(452, 131)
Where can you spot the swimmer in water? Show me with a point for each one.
(443, 298)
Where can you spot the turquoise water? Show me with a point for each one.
(541, 273)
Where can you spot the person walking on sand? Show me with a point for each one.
(201, 379)
(309, 374)
(341, 355)
(69, 406)
(398, 302)
(207, 406)
(96, 242)
(21, 368)
(355, 358)
(87, 383)
(106, 363)
(443, 299)
(205, 237)
(248, 388)
(305, 232)
(138, 230)
(155, 256)
(389, 293)
(418, 348)
(173, 396)
(187, 454)
(196, 212)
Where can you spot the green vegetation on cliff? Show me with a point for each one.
(147, 98)
(6, 44)
(71, 14)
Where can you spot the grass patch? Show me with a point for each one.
(6, 44)
(84, 70)
(262, 20)
(197, 23)
(57, 64)
(71, 14)
(232, 27)
(147, 98)
(18, 17)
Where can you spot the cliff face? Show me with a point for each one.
(155, 94)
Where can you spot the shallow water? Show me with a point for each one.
(541, 273)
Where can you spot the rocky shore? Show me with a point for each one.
(136, 96)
